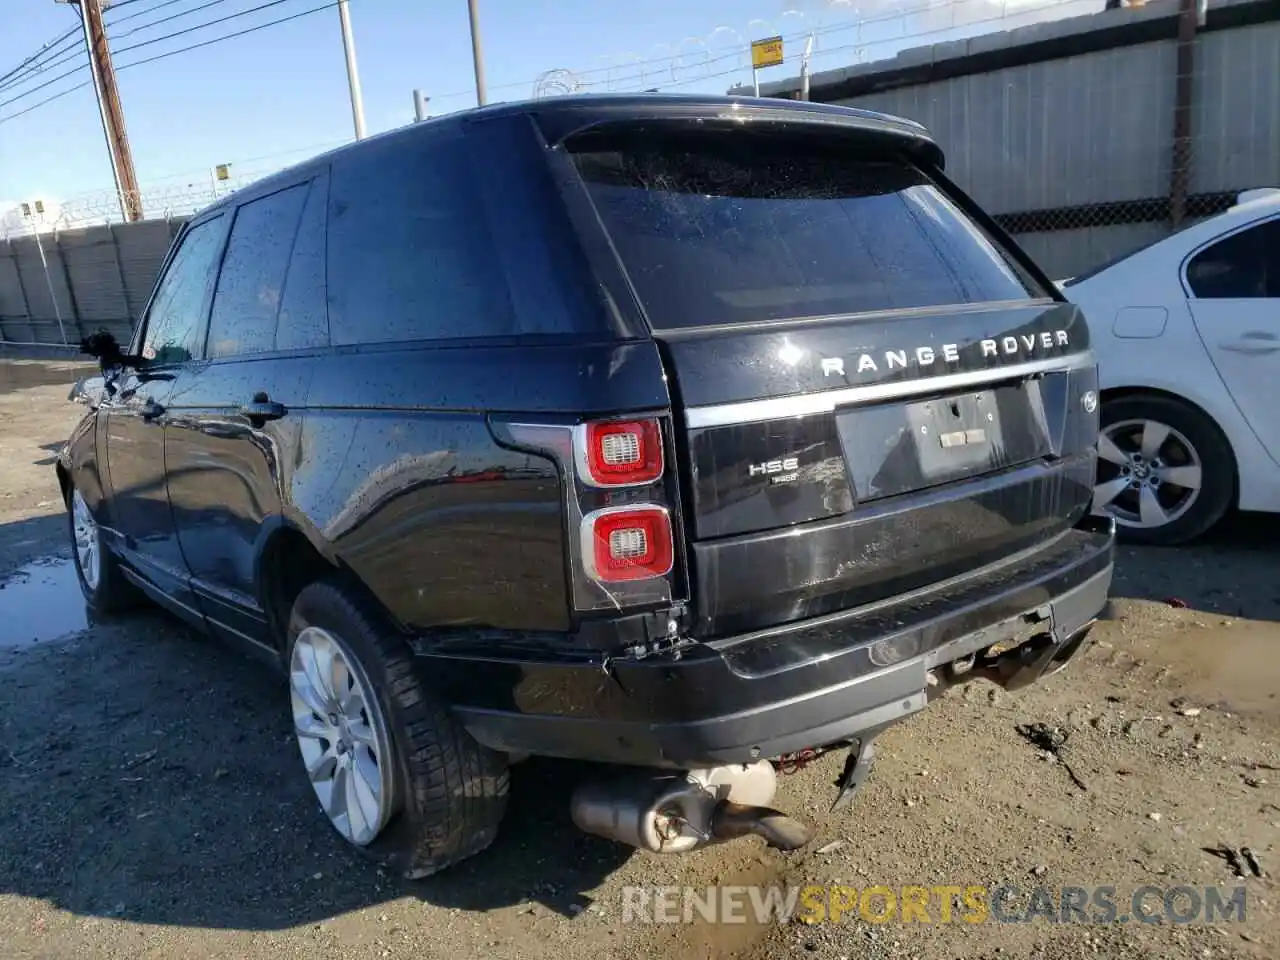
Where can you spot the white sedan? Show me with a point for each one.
(1187, 333)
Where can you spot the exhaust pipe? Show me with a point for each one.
(675, 812)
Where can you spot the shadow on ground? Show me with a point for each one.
(1234, 571)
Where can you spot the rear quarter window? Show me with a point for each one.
(730, 228)
(410, 255)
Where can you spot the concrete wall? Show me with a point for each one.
(100, 277)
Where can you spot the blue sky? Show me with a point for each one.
(273, 97)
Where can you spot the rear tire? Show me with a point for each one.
(1165, 470)
(102, 582)
(444, 794)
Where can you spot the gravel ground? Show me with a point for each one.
(150, 802)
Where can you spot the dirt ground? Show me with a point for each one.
(151, 803)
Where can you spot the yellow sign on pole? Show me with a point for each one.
(223, 171)
(766, 53)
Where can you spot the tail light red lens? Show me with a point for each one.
(627, 543)
(620, 453)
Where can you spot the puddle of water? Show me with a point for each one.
(40, 602)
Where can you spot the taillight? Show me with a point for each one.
(627, 543)
(618, 453)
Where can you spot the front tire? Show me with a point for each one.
(395, 774)
(102, 582)
(1165, 471)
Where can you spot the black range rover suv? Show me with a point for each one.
(686, 435)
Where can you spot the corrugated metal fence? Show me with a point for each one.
(92, 278)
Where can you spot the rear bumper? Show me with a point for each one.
(811, 683)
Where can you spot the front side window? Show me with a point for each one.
(176, 316)
(733, 227)
(1245, 265)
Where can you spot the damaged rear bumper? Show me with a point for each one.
(812, 683)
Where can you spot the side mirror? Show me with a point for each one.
(104, 346)
(89, 391)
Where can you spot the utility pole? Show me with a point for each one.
(353, 72)
(476, 57)
(104, 84)
(1183, 93)
(804, 68)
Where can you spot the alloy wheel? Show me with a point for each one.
(87, 540)
(341, 733)
(1149, 474)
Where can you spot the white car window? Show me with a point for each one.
(1245, 265)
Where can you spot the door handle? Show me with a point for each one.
(261, 409)
(150, 410)
(1254, 343)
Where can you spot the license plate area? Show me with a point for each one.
(895, 448)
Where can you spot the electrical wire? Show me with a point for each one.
(41, 103)
(200, 26)
(133, 16)
(228, 36)
(173, 16)
(35, 70)
(41, 53)
(47, 83)
(72, 54)
(166, 54)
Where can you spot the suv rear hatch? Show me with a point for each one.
(875, 391)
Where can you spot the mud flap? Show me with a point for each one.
(856, 770)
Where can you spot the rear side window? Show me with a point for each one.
(410, 255)
(247, 299)
(1245, 265)
(727, 228)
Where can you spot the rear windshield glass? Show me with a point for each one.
(723, 229)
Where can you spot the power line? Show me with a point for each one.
(173, 16)
(56, 96)
(37, 70)
(173, 53)
(229, 36)
(201, 26)
(47, 83)
(146, 26)
(39, 54)
(140, 13)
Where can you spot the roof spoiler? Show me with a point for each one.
(560, 123)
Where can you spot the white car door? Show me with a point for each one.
(1234, 287)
